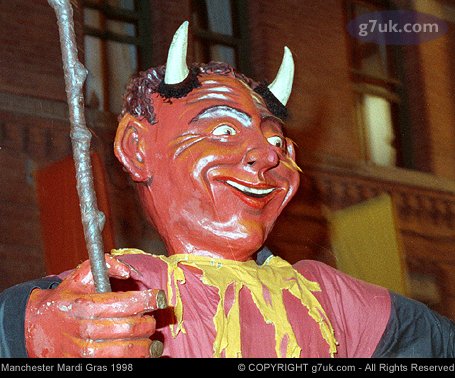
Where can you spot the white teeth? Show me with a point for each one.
(247, 189)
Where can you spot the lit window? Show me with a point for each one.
(380, 136)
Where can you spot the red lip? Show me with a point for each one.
(256, 195)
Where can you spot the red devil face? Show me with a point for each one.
(218, 169)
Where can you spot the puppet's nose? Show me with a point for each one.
(261, 159)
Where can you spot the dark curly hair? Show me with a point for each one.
(137, 99)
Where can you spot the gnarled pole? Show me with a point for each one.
(75, 74)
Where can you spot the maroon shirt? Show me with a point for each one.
(358, 312)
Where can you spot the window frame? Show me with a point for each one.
(388, 87)
(238, 41)
(142, 41)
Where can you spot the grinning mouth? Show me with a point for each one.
(250, 191)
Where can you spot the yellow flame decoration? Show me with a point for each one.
(275, 276)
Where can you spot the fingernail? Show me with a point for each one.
(161, 300)
(158, 299)
(156, 349)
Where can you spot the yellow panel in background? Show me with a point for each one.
(367, 244)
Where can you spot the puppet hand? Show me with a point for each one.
(74, 321)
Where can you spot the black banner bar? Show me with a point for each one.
(237, 367)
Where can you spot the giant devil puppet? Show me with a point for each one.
(213, 168)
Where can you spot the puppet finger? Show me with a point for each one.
(118, 304)
(138, 348)
(136, 327)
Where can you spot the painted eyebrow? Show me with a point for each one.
(222, 111)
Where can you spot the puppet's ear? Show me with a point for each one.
(129, 147)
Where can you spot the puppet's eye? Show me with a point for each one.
(224, 130)
(276, 141)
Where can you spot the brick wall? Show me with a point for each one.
(428, 72)
(438, 70)
(30, 61)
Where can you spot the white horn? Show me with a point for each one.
(176, 67)
(281, 87)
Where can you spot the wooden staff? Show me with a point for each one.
(75, 74)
